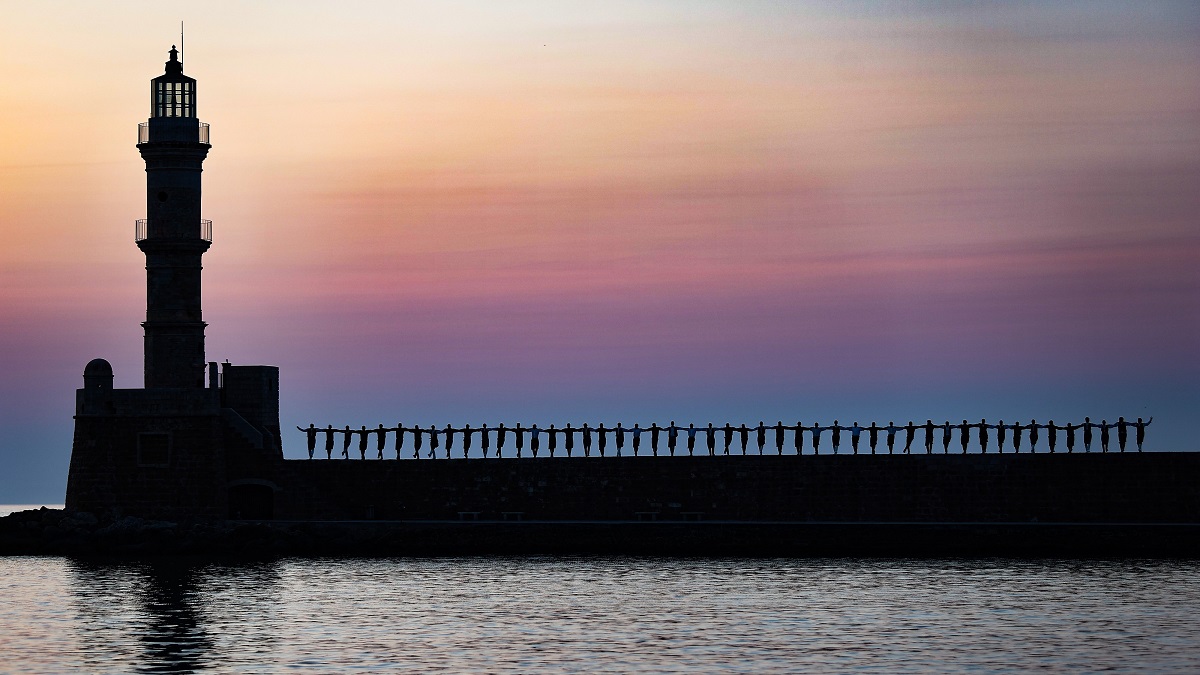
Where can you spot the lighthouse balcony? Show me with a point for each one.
(174, 129)
(144, 229)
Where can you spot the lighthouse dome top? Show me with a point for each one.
(173, 94)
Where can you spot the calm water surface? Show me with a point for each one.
(543, 615)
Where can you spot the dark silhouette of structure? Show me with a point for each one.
(189, 446)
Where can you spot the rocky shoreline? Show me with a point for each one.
(58, 532)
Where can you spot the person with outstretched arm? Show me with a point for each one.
(569, 433)
(501, 433)
(855, 432)
(691, 439)
(728, 436)
(1104, 427)
(466, 432)
(1087, 434)
(910, 435)
(620, 434)
(947, 431)
(672, 437)
(655, 430)
(710, 439)
(891, 429)
(485, 441)
(399, 438)
(449, 432)
(636, 432)
(552, 437)
(836, 432)
(929, 427)
(418, 438)
(760, 435)
(1001, 434)
(1051, 434)
(534, 442)
(519, 438)
(816, 437)
(779, 437)
(1070, 429)
(964, 435)
(744, 435)
(600, 431)
(347, 439)
(1122, 432)
(311, 436)
(1139, 428)
(1017, 430)
(433, 441)
(983, 435)
(380, 440)
(873, 436)
(329, 432)
(798, 438)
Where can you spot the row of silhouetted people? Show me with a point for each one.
(435, 438)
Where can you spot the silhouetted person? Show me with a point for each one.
(946, 432)
(964, 435)
(329, 432)
(1051, 434)
(466, 432)
(983, 435)
(836, 432)
(311, 436)
(433, 441)
(891, 429)
(744, 436)
(620, 434)
(637, 438)
(1087, 434)
(710, 439)
(728, 436)
(1017, 430)
(418, 439)
(655, 430)
(779, 437)
(760, 435)
(855, 432)
(600, 437)
(569, 437)
(910, 434)
(1140, 431)
(672, 437)
(533, 440)
(1034, 435)
(519, 437)
(347, 438)
(362, 442)
(449, 439)
(816, 437)
(691, 439)
(1070, 429)
(1001, 433)
(1122, 432)
(501, 433)
(485, 443)
(399, 438)
(873, 436)
(553, 439)
(1104, 427)
(798, 437)
(929, 427)
(380, 440)
(587, 440)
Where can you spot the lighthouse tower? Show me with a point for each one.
(174, 143)
(184, 445)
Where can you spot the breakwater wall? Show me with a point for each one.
(1025, 488)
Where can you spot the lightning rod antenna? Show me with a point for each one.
(181, 43)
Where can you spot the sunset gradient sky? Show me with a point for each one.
(551, 212)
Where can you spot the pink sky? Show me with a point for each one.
(470, 212)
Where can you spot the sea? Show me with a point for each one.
(538, 614)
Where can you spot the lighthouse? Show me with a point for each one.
(184, 445)
(173, 235)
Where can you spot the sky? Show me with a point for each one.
(548, 212)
